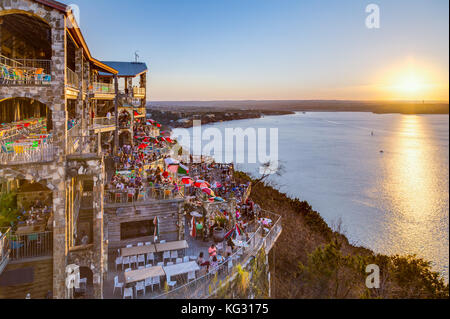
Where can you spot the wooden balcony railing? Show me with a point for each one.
(22, 72)
(103, 88)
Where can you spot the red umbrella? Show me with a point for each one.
(208, 191)
(201, 184)
(187, 181)
(165, 174)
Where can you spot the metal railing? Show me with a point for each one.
(72, 79)
(103, 88)
(24, 71)
(4, 248)
(103, 121)
(207, 285)
(31, 245)
(41, 154)
(135, 195)
(138, 92)
(83, 145)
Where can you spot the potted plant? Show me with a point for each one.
(219, 230)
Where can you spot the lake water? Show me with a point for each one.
(395, 202)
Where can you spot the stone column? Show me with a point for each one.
(143, 84)
(98, 240)
(59, 117)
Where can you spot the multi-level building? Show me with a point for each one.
(63, 116)
(62, 105)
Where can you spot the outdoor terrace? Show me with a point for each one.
(202, 284)
(24, 72)
(26, 142)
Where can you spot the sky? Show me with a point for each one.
(276, 49)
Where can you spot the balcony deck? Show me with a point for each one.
(204, 285)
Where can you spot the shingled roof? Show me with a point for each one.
(126, 69)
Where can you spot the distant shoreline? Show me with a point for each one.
(182, 116)
(386, 107)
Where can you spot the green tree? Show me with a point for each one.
(8, 209)
(331, 274)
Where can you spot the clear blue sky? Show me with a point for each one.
(275, 49)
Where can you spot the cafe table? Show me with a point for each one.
(172, 245)
(137, 250)
(142, 274)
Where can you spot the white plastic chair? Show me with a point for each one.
(186, 259)
(161, 263)
(126, 261)
(162, 241)
(140, 286)
(128, 269)
(133, 260)
(117, 284)
(140, 244)
(191, 276)
(178, 261)
(141, 259)
(150, 257)
(129, 245)
(148, 282)
(170, 283)
(128, 293)
(157, 281)
(166, 255)
(173, 254)
(119, 261)
(148, 243)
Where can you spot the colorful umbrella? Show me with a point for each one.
(201, 184)
(187, 181)
(208, 191)
(183, 170)
(219, 199)
(173, 168)
(216, 185)
(193, 228)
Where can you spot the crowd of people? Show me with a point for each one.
(38, 212)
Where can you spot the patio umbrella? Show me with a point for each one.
(182, 170)
(201, 183)
(193, 228)
(208, 191)
(219, 199)
(171, 161)
(187, 181)
(173, 168)
(156, 233)
(196, 214)
(216, 185)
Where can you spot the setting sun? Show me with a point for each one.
(411, 80)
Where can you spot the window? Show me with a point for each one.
(138, 229)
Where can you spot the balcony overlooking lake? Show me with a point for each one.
(24, 72)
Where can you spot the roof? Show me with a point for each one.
(126, 69)
(54, 4)
(75, 32)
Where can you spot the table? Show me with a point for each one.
(139, 250)
(182, 268)
(142, 274)
(173, 245)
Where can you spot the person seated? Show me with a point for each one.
(214, 263)
(212, 251)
